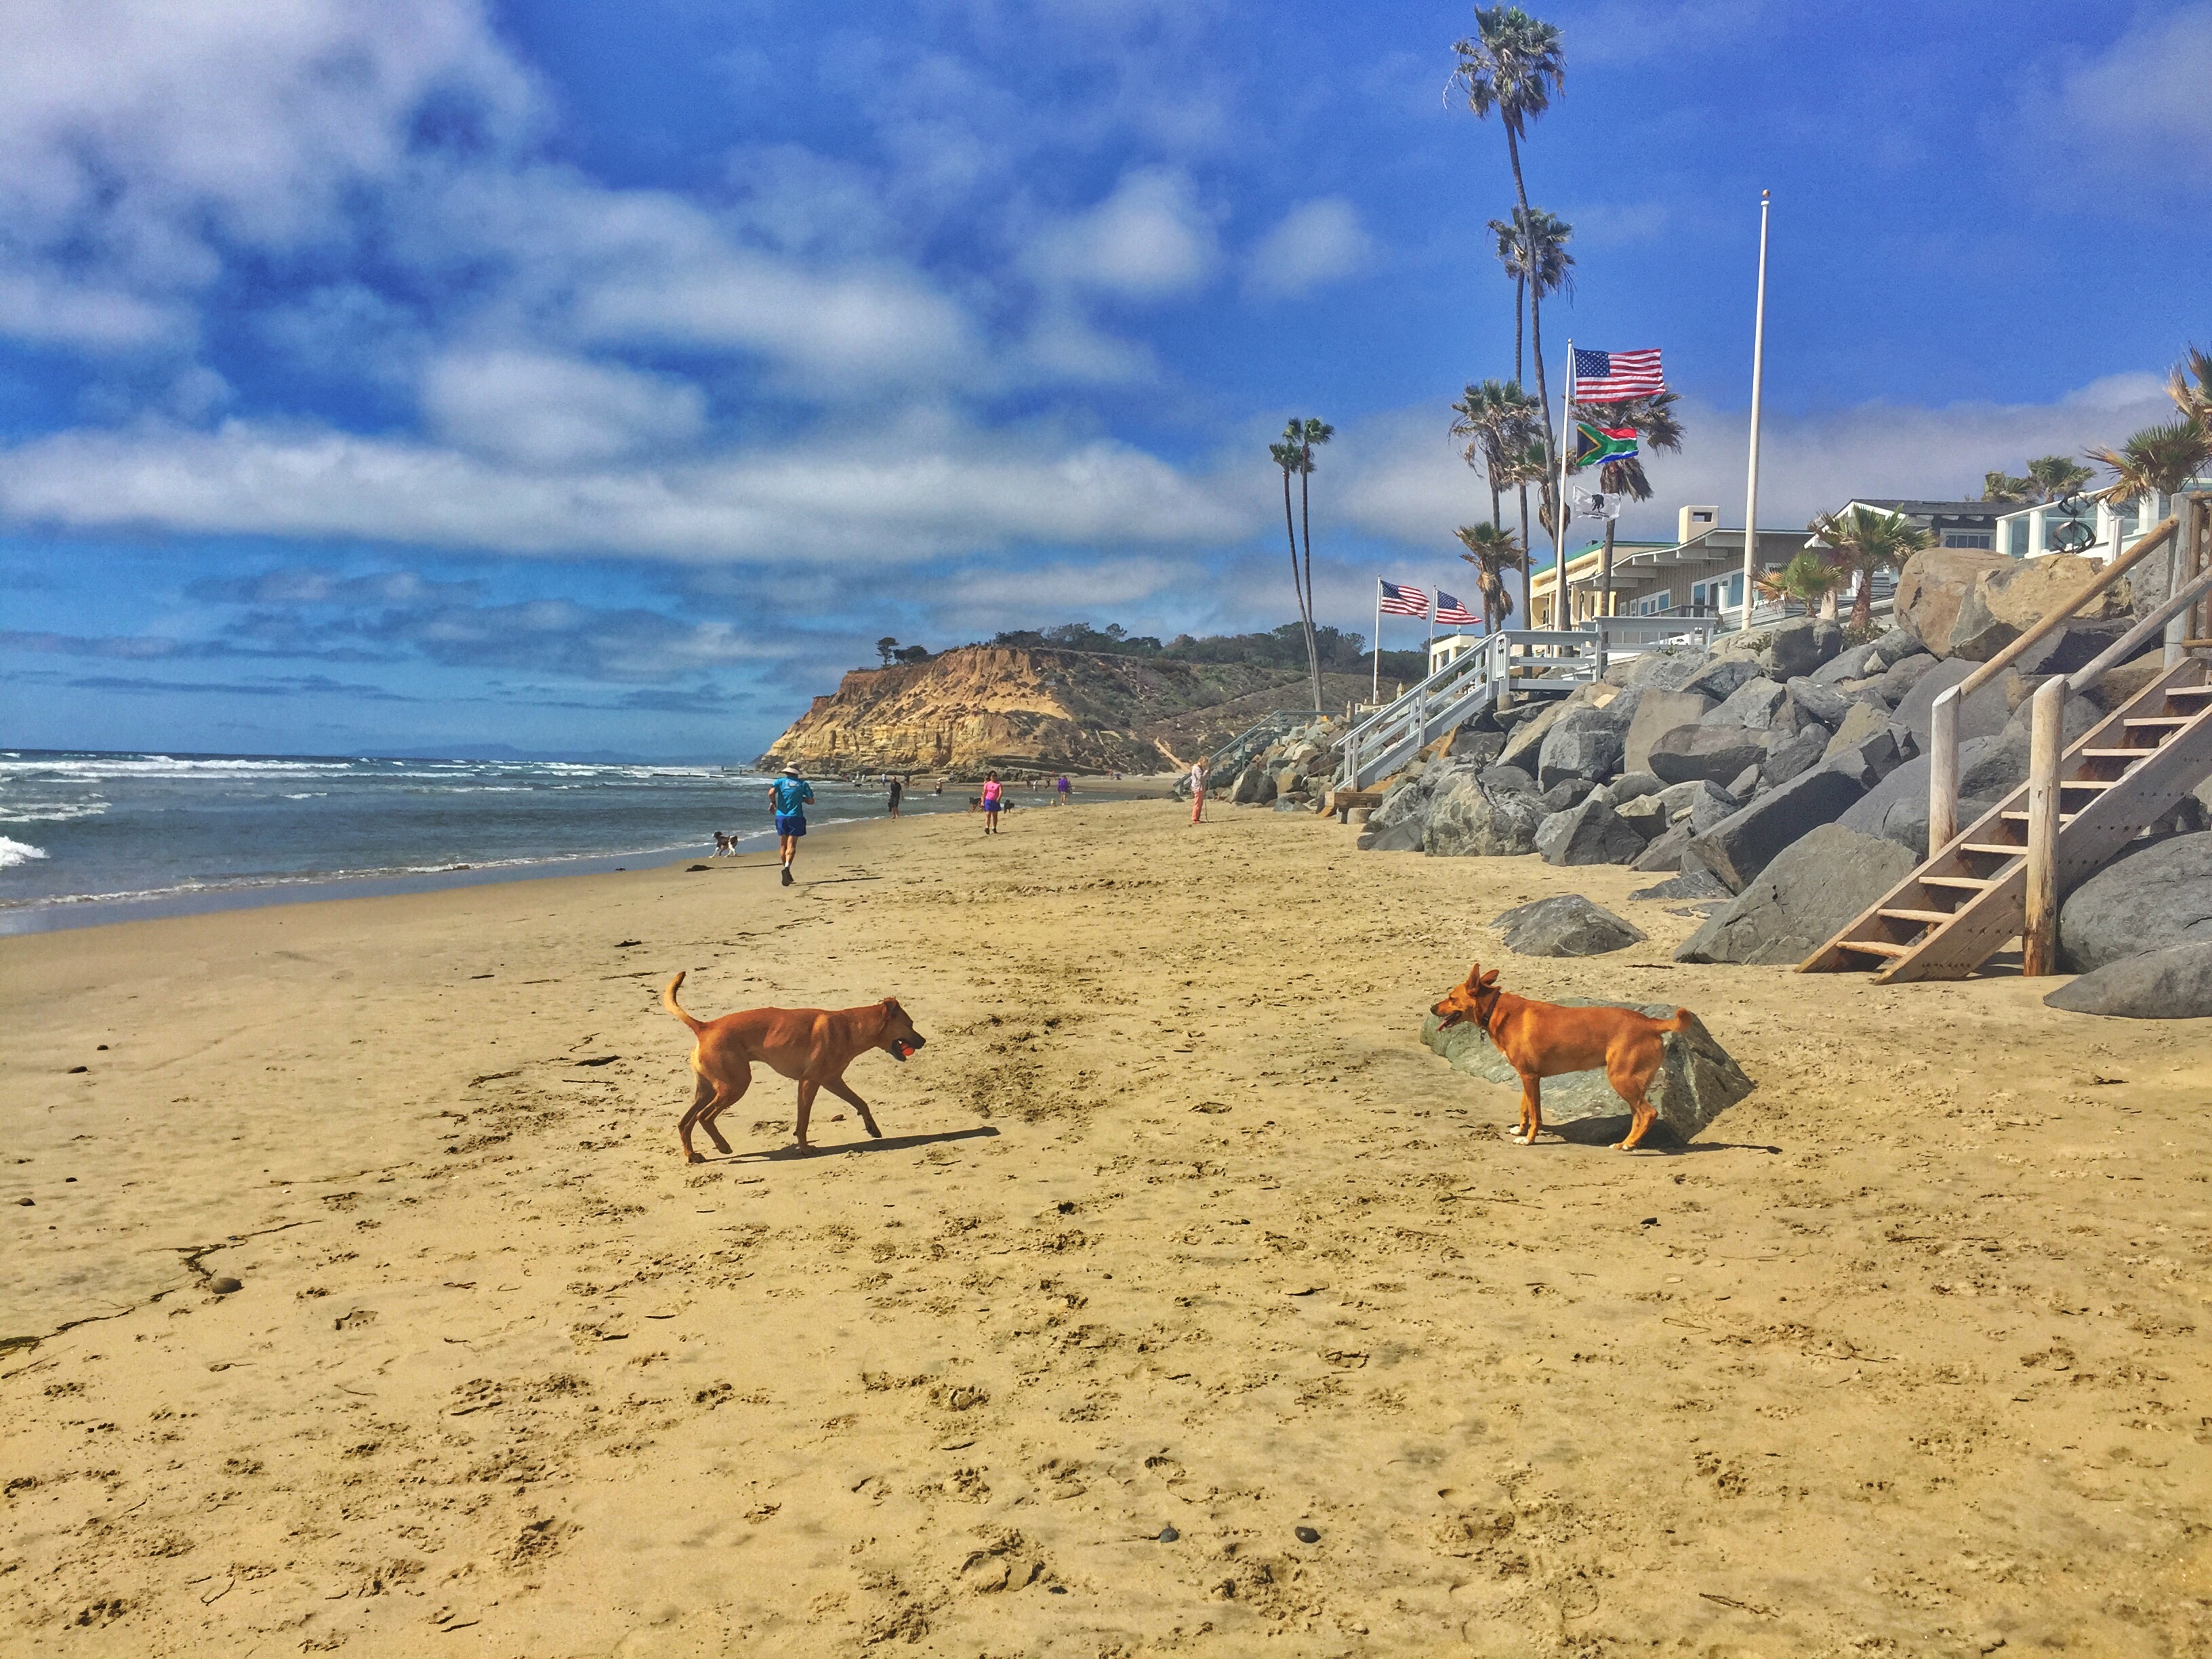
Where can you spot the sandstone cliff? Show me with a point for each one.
(1023, 708)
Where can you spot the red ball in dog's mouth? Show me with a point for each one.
(906, 1051)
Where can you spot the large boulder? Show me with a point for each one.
(1811, 700)
(1565, 925)
(1860, 722)
(2007, 601)
(1850, 665)
(1526, 740)
(1931, 587)
(1809, 892)
(1662, 668)
(2172, 983)
(1591, 833)
(1751, 705)
(1698, 1078)
(1896, 806)
(1665, 852)
(2157, 896)
(1633, 783)
(1721, 677)
(1872, 758)
(1582, 742)
(1796, 752)
(1477, 748)
(1657, 713)
(1896, 682)
(1700, 802)
(1716, 752)
(1979, 716)
(1493, 813)
(1744, 843)
(1645, 815)
(1570, 791)
(1800, 645)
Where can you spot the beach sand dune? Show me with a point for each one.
(1176, 1226)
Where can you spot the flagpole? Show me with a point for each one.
(1757, 370)
(1375, 691)
(1559, 594)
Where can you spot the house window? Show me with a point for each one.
(1652, 605)
(2015, 538)
(1968, 538)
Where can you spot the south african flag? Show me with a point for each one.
(1596, 445)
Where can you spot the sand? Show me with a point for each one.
(1177, 1226)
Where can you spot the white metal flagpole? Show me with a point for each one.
(1757, 370)
(1375, 691)
(1562, 605)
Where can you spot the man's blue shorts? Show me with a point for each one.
(791, 824)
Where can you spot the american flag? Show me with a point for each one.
(1399, 601)
(1450, 610)
(1614, 377)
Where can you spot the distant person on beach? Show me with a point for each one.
(1198, 776)
(1062, 787)
(898, 794)
(788, 798)
(993, 799)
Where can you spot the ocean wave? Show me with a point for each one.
(13, 853)
(50, 811)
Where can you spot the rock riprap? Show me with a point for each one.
(1565, 925)
(1697, 1080)
(1808, 892)
(2174, 983)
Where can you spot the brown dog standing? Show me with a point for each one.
(812, 1045)
(1541, 1040)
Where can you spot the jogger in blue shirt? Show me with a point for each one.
(788, 797)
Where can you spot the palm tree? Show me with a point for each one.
(1492, 420)
(1513, 257)
(1492, 551)
(1861, 542)
(1295, 454)
(1529, 461)
(1654, 422)
(1809, 579)
(2055, 477)
(2194, 401)
(2002, 486)
(1513, 65)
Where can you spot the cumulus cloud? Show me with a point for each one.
(1315, 243)
(1149, 239)
(2132, 123)
(548, 411)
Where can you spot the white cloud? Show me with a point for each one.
(2132, 123)
(1316, 243)
(884, 501)
(549, 411)
(995, 598)
(1148, 241)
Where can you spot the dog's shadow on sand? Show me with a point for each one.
(888, 1143)
(1607, 1131)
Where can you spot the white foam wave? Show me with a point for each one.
(13, 853)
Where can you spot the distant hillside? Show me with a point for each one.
(1021, 706)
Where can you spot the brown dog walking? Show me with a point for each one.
(1542, 1039)
(813, 1046)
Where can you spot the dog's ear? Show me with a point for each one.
(1490, 979)
(1474, 977)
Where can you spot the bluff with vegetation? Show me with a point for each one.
(1056, 701)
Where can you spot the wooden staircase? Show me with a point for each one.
(1968, 900)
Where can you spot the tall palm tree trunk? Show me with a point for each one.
(1535, 303)
(1861, 602)
(1520, 307)
(1290, 534)
(1306, 601)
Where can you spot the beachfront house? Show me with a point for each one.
(2098, 530)
(1698, 574)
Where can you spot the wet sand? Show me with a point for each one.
(1176, 1225)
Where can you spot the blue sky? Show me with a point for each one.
(422, 373)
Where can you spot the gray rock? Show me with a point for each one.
(1662, 668)
(1565, 925)
(1979, 716)
(1720, 678)
(1861, 720)
(2157, 896)
(1895, 646)
(1810, 890)
(1800, 645)
(1657, 713)
(1717, 752)
(1286, 804)
(1582, 742)
(1745, 784)
(1645, 815)
(1847, 664)
(1699, 884)
(1589, 834)
(1741, 845)
(1898, 679)
(1824, 703)
(2172, 983)
(1629, 785)
(1665, 852)
(1477, 748)
(1873, 759)
(1570, 791)
(1697, 1080)
(1896, 808)
(1405, 837)
(1751, 705)
(1527, 738)
(1493, 813)
(1793, 755)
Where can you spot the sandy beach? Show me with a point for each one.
(1176, 1226)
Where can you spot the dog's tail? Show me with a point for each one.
(1682, 1020)
(668, 1001)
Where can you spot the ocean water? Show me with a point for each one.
(97, 838)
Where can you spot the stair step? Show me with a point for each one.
(1875, 947)
(2173, 721)
(2189, 690)
(1989, 847)
(1933, 918)
(2086, 783)
(2065, 818)
(1974, 883)
(2116, 754)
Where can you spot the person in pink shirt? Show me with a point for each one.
(992, 800)
(1198, 777)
